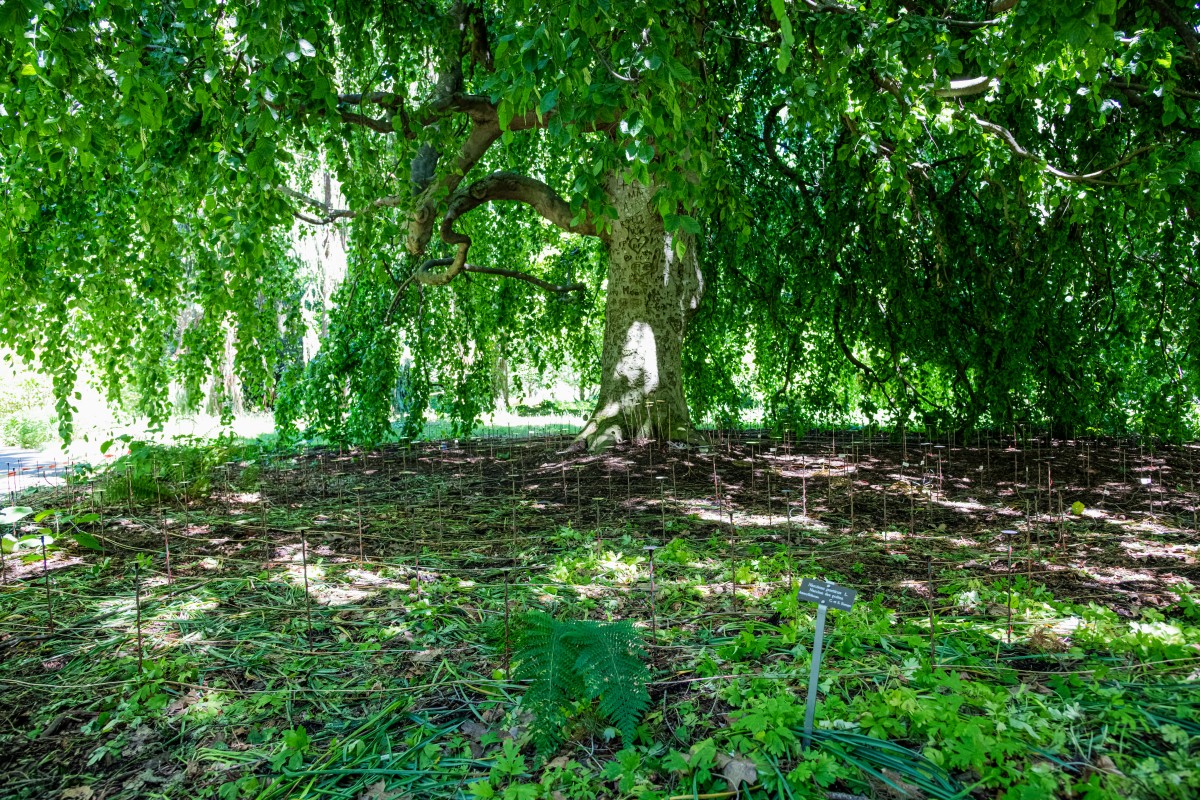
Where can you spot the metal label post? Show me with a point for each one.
(825, 595)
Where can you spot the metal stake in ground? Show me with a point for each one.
(46, 575)
(137, 604)
(932, 630)
(787, 503)
(650, 548)
(358, 508)
(579, 494)
(507, 646)
(1009, 535)
(825, 595)
(770, 522)
(307, 597)
(167, 550)
(662, 502)
(732, 557)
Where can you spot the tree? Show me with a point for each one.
(810, 177)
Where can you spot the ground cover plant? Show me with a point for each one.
(231, 621)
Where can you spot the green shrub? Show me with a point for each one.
(153, 471)
(23, 394)
(25, 430)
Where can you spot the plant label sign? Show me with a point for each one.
(825, 595)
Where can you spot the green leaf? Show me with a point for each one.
(501, 47)
(35, 541)
(689, 225)
(788, 37)
(321, 87)
(14, 514)
(481, 789)
(262, 156)
(504, 113)
(88, 541)
(549, 100)
(785, 57)
(785, 24)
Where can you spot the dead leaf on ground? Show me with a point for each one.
(77, 793)
(900, 788)
(737, 771)
(181, 703)
(475, 730)
(378, 791)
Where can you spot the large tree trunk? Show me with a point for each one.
(652, 293)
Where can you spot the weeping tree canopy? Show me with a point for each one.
(959, 213)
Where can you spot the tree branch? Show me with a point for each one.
(331, 214)
(1006, 136)
(511, 186)
(497, 186)
(420, 228)
(1185, 31)
(424, 276)
(476, 106)
(1141, 87)
(389, 100)
(377, 124)
(521, 276)
(964, 87)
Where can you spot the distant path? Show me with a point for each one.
(26, 468)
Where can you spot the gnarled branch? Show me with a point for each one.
(1007, 136)
(497, 186)
(476, 106)
(511, 186)
(377, 124)
(521, 276)
(420, 228)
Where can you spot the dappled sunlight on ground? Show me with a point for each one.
(424, 604)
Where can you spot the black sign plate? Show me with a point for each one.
(826, 593)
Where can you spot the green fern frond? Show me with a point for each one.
(580, 661)
(546, 652)
(614, 673)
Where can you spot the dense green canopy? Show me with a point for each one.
(962, 212)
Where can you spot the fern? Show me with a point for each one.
(573, 662)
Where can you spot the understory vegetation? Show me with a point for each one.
(25, 421)
(497, 618)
